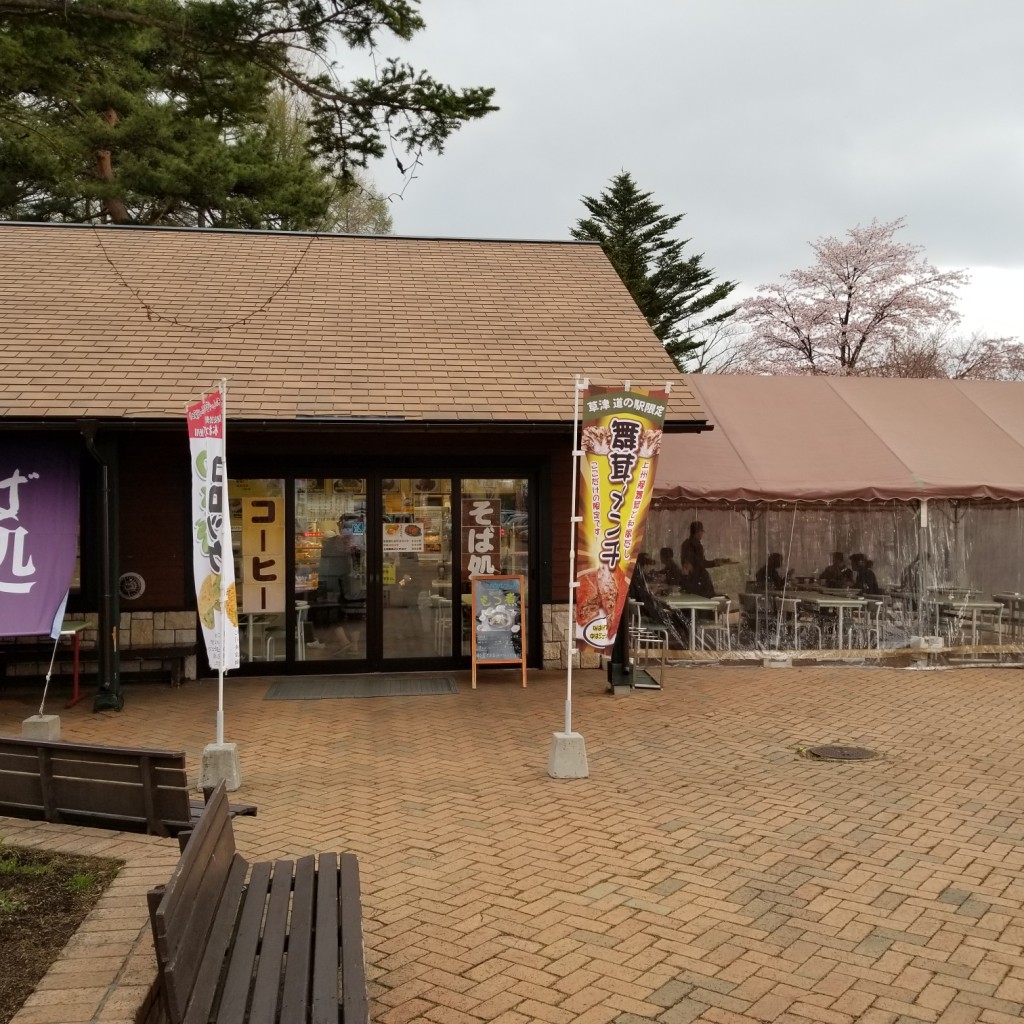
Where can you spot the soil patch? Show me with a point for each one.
(44, 897)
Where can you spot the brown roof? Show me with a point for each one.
(824, 439)
(134, 322)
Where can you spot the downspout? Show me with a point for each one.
(108, 694)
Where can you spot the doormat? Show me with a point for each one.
(348, 687)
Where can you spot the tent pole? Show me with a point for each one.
(922, 561)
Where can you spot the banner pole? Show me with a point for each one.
(229, 553)
(576, 453)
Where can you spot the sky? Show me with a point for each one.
(768, 123)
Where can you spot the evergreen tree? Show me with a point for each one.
(356, 206)
(674, 293)
(156, 111)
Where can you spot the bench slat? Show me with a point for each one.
(234, 1000)
(100, 800)
(326, 939)
(46, 786)
(355, 1005)
(127, 772)
(21, 793)
(275, 931)
(191, 897)
(87, 751)
(199, 988)
(196, 985)
(295, 998)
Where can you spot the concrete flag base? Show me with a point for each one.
(220, 764)
(568, 756)
(41, 727)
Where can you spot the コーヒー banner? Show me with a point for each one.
(213, 563)
(620, 441)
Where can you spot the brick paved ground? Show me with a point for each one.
(704, 872)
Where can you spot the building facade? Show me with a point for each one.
(399, 418)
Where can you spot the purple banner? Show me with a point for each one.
(38, 533)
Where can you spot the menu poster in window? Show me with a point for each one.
(498, 622)
(403, 537)
(481, 537)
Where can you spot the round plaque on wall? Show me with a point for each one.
(131, 586)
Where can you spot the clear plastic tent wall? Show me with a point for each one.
(973, 557)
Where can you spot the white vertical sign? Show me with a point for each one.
(213, 561)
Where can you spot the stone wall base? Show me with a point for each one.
(556, 624)
(137, 629)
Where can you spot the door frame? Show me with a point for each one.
(456, 470)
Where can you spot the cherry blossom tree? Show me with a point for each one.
(864, 299)
(974, 357)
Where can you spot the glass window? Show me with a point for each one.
(495, 533)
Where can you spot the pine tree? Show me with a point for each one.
(356, 206)
(156, 111)
(675, 293)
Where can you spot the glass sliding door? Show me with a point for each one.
(369, 571)
(415, 532)
(330, 569)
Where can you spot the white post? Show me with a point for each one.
(220, 759)
(568, 756)
(573, 520)
(223, 589)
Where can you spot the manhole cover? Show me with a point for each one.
(836, 753)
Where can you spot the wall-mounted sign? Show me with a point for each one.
(499, 622)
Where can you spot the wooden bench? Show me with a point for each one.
(270, 942)
(125, 788)
(28, 652)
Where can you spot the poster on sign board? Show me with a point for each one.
(498, 622)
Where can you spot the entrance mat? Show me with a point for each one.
(346, 687)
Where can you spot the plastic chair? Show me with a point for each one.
(719, 628)
(750, 607)
(645, 638)
(864, 623)
(801, 619)
(273, 635)
(442, 623)
(993, 620)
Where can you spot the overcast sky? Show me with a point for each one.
(769, 123)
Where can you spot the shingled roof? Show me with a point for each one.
(133, 322)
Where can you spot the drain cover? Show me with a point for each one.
(835, 753)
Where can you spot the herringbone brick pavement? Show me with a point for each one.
(704, 872)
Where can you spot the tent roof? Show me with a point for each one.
(826, 439)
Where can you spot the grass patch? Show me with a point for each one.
(44, 897)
